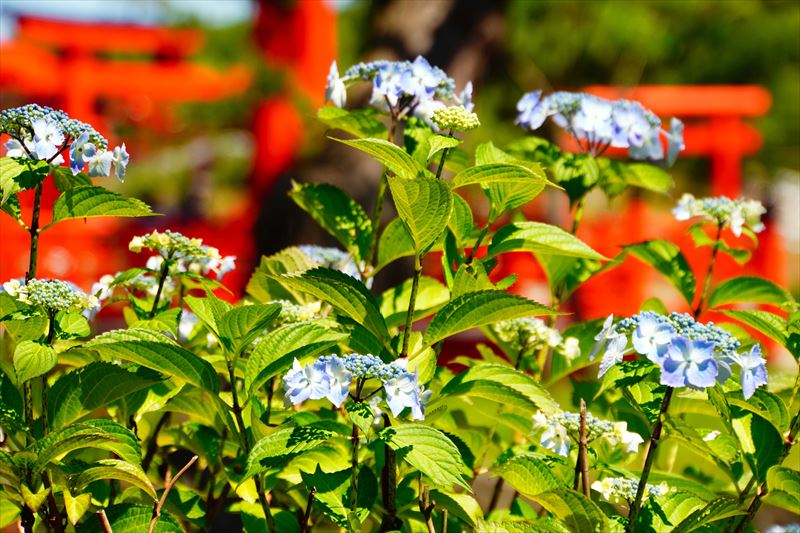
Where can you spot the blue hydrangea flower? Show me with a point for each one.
(100, 165)
(81, 151)
(753, 370)
(335, 90)
(305, 383)
(339, 380)
(47, 138)
(652, 337)
(689, 363)
(532, 111)
(120, 158)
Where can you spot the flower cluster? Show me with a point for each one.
(455, 118)
(52, 294)
(723, 211)
(557, 431)
(330, 377)
(534, 334)
(616, 489)
(333, 258)
(190, 255)
(689, 353)
(400, 87)
(42, 133)
(597, 123)
(292, 313)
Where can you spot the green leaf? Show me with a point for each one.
(502, 384)
(577, 511)
(461, 506)
(12, 207)
(17, 173)
(667, 258)
(279, 347)
(133, 518)
(390, 155)
(101, 434)
(33, 359)
(763, 403)
(114, 469)
(241, 325)
(758, 439)
(395, 242)
(358, 122)
(577, 173)
(76, 506)
(783, 485)
(331, 489)
(771, 325)
(717, 509)
(528, 475)
(262, 285)
(648, 177)
(749, 289)
(66, 180)
(278, 447)
(337, 213)
(72, 325)
(428, 450)
(93, 201)
(461, 222)
(431, 296)
(437, 143)
(98, 384)
(541, 238)
(499, 173)
(361, 415)
(156, 351)
(347, 295)
(480, 308)
(471, 277)
(424, 206)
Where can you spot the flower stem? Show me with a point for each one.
(161, 280)
(34, 233)
(479, 241)
(576, 220)
(582, 463)
(443, 158)
(648, 461)
(354, 468)
(304, 527)
(709, 272)
(380, 198)
(411, 304)
(390, 522)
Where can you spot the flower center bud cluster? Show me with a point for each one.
(189, 255)
(332, 258)
(331, 377)
(723, 211)
(557, 431)
(533, 334)
(455, 118)
(52, 294)
(616, 489)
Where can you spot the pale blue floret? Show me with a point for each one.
(753, 370)
(652, 337)
(305, 383)
(689, 363)
(81, 151)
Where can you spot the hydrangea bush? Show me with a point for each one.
(316, 402)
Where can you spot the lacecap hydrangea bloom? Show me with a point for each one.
(723, 211)
(42, 133)
(597, 123)
(689, 353)
(189, 255)
(617, 489)
(556, 432)
(455, 118)
(331, 376)
(51, 294)
(402, 88)
(532, 334)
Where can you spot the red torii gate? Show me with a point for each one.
(300, 40)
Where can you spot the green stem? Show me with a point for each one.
(576, 220)
(443, 158)
(161, 280)
(354, 468)
(51, 333)
(390, 522)
(380, 198)
(709, 272)
(648, 461)
(34, 233)
(245, 441)
(411, 305)
(479, 241)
